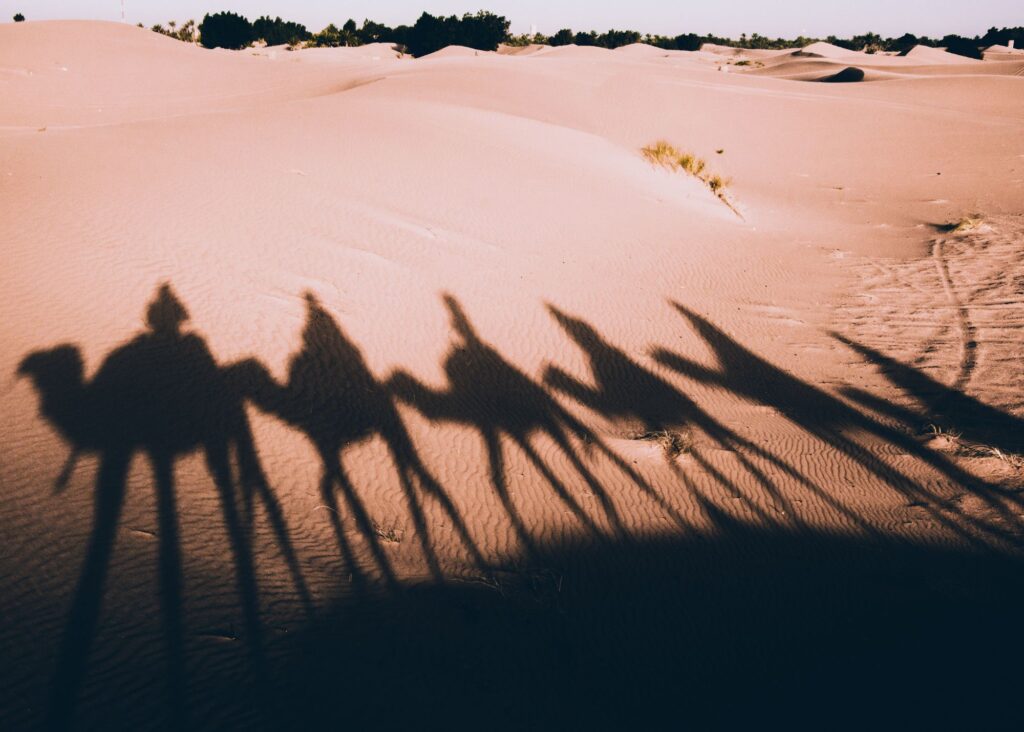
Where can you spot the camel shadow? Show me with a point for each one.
(161, 394)
(839, 425)
(334, 398)
(623, 391)
(488, 393)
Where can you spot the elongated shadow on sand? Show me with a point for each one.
(162, 394)
(332, 396)
(625, 391)
(490, 394)
(838, 424)
(753, 628)
(976, 421)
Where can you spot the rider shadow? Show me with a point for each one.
(334, 398)
(626, 392)
(162, 394)
(835, 423)
(976, 421)
(490, 394)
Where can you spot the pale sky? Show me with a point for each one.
(667, 17)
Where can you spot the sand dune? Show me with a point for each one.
(1003, 53)
(926, 54)
(527, 50)
(344, 388)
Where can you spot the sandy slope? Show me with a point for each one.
(459, 273)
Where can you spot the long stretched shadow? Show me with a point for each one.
(624, 390)
(161, 394)
(487, 392)
(836, 423)
(976, 421)
(334, 398)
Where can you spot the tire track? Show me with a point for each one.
(968, 356)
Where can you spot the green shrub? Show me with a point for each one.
(225, 30)
(277, 32)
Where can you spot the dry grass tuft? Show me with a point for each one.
(666, 155)
(959, 446)
(967, 223)
(673, 444)
(391, 535)
(717, 183)
(663, 154)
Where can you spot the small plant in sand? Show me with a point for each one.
(951, 441)
(717, 183)
(673, 444)
(967, 223)
(668, 156)
(661, 153)
(392, 535)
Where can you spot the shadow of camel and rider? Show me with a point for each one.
(161, 394)
(490, 394)
(838, 424)
(626, 392)
(333, 397)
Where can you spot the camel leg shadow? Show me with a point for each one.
(80, 629)
(170, 581)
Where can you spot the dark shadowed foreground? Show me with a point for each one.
(713, 631)
(746, 627)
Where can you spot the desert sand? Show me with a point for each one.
(345, 389)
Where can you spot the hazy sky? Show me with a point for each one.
(667, 17)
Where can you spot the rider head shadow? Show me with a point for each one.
(333, 397)
(161, 394)
(493, 396)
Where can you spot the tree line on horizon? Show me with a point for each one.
(485, 31)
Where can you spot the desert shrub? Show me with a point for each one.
(688, 42)
(562, 38)
(328, 37)
(225, 30)
(1002, 37)
(525, 39)
(663, 154)
(717, 183)
(430, 34)
(962, 46)
(903, 44)
(277, 32)
(375, 32)
(19, 18)
(617, 38)
(668, 156)
(186, 33)
(483, 31)
(585, 39)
